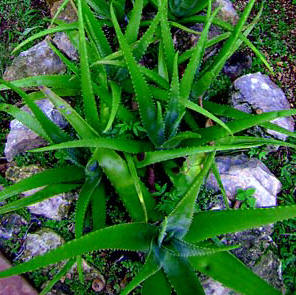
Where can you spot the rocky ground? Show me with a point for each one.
(274, 182)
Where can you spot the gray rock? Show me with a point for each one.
(212, 287)
(56, 207)
(227, 12)
(62, 41)
(21, 138)
(10, 225)
(256, 92)
(41, 242)
(242, 172)
(38, 60)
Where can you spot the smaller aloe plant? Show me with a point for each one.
(182, 242)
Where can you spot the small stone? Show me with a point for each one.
(21, 138)
(41, 242)
(242, 172)
(227, 12)
(257, 91)
(68, 14)
(98, 285)
(36, 61)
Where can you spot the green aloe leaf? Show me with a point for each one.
(196, 58)
(220, 184)
(164, 155)
(46, 193)
(89, 101)
(92, 181)
(127, 237)
(187, 7)
(50, 176)
(52, 81)
(133, 26)
(180, 218)
(175, 109)
(119, 175)
(144, 98)
(83, 129)
(157, 284)
(123, 145)
(25, 118)
(184, 249)
(181, 275)
(231, 272)
(98, 206)
(204, 82)
(177, 139)
(166, 36)
(96, 31)
(230, 112)
(134, 175)
(54, 133)
(217, 132)
(162, 68)
(116, 95)
(193, 106)
(100, 7)
(214, 223)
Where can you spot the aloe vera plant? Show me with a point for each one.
(182, 241)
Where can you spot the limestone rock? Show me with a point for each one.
(38, 60)
(56, 207)
(242, 172)
(256, 92)
(21, 138)
(41, 242)
(227, 12)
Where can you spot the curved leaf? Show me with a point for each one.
(231, 272)
(123, 145)
(46, 193)
(129, 237)
(208, 224)
(50, 176)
